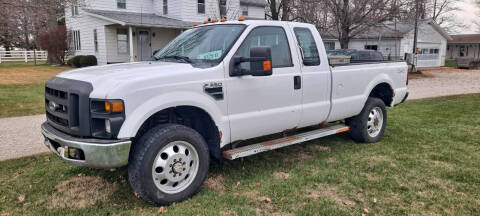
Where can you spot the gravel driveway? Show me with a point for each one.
(444, 82)
(20, 136)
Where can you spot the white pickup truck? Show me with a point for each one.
(212, 87)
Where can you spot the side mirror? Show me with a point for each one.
(260, 63)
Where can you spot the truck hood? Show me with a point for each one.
(107, 79)
(125, 71)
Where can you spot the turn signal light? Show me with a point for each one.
(114, 106)
(241, 19)
(267, 65)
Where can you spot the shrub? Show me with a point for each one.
(76, 61)
(89, 60)
(82, 61)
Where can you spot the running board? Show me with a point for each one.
(283, 142)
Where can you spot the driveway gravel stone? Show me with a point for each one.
(20, 136)
(444, 82)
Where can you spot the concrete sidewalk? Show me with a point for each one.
(21, 136)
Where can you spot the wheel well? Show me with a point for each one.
(189, 116)
(384, 92)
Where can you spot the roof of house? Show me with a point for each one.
(260, 3)
(466, 38)
(139, 19)
(390, 29)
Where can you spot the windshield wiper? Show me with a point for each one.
(182, 58)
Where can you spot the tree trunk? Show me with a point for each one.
(52, 23)
(273, 9)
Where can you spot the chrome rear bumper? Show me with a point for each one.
(94, 153)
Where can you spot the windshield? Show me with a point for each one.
(202, 45)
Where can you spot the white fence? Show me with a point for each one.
(24, 56)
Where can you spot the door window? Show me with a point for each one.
(269, 36)
(308, 45)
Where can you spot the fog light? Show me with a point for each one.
(108, 129)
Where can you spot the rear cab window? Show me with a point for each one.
(308, 46)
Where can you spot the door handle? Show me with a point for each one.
(297, 82)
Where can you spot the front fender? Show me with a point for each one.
(137, 114)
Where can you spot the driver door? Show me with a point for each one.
(267, 104)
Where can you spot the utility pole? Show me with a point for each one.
(415, 35)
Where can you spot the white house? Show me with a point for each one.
(131, 30)
(394, 40)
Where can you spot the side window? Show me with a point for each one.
(308, 45)
(273, 37)
(121, 4)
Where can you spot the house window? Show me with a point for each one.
(223, 8)
(74, 8)
(77, 45)
(95, 40)
(371, 47)
(122, 41)
(201, 6)
(244, 9)
(165, 7)
(329, 45)
(122, 4)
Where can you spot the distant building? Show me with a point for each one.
(464, 46)
(131, 30)
(393, 40)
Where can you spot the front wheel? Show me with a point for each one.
(168, 164)
(369, 125)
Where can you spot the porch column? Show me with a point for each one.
(130, 38)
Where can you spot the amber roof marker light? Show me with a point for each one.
(241, 19)
(223, 19)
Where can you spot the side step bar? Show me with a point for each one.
(283, 142)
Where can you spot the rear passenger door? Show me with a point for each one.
(316, 79)
(265, 105)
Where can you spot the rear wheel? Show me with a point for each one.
(168, 164)
(369, 125)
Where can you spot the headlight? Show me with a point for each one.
(108, 128)
(107, 117)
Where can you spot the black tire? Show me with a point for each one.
(145, 152)
(359, 128)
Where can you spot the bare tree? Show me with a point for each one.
(352, 17)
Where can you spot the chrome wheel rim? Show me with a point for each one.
(175, 167)
(375, 122)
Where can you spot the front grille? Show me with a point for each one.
(56, 104)
(67, 105)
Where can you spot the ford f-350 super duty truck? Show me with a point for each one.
(211, 87)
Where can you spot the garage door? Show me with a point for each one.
(429, 56)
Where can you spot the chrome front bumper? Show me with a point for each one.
(94, 153)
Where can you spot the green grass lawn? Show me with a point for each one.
(451, 63)
(427, 164)
(22, 87)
